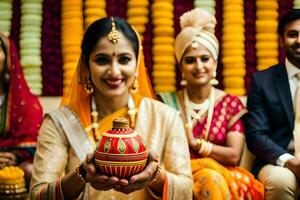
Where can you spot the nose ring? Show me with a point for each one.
(109, 72)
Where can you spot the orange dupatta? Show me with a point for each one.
(79, 101)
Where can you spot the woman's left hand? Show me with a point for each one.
(141, 180)
(7, 159)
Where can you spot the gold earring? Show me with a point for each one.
(135, 85)
(214, 81)
(88, 86)
(183, 81)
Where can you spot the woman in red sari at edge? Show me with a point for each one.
(20, 112)
(212, 118)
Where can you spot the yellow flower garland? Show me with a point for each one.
(266, 33)
(93, 10)
(137, 15)
(233, 38)
(71, 36)
(164, 76)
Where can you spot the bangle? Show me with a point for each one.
(81, 173)
(158, 171)
(208, 149)
(199, 143)
(202, 147)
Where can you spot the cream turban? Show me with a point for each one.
(197, 26)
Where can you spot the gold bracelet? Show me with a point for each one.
(202, 147)
(158, 171)
(199, 143)
(81, 173)
(209, 149)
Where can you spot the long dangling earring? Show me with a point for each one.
(183, 81)
(214, 81)
(95, 115)
(132, 111)
(135, 85)
(88, 86)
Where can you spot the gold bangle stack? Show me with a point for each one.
(204, 147)
(158, 171)
(81, 173)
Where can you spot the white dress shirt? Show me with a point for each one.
(292, 70)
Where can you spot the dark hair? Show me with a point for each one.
(5, 53)
(5, 67)
(287, 18)
(101, 28)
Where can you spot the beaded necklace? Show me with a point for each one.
(132, 111)
(192, 121)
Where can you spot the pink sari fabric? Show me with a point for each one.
(227, 114)
(237, 182)
(24, 112)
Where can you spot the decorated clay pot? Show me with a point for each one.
(120, 151)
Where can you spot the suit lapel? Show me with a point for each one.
(283, 89)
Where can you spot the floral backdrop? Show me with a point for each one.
(48, 34)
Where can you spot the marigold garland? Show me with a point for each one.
(164, 75)
(52, 71)
(71, 36)
(93, 10)
(30, 43)
(137, 15)
(233, 38)
(266, 33)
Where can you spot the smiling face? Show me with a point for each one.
(291, 42)
(112, 66)
(198, 66)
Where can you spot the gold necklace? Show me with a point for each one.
(191, 123)
(93, 128)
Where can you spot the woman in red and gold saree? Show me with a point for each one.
(111, 61)
(21, 112)
(213, 119)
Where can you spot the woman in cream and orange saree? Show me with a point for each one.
(111, 81)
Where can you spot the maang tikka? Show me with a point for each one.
(114, 35)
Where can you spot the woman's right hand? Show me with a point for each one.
(95, 178)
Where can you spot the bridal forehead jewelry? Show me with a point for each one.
(114, 35)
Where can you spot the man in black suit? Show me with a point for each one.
(270, 121)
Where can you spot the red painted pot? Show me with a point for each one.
(120, 151)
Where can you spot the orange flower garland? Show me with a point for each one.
(71, 33)
(233, 47)
(266, 33)
(164, 75)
